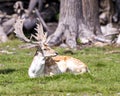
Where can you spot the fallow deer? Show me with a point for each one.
(46, 61)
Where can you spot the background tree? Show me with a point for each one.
(78, 20)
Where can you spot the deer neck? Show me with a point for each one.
(38, 65)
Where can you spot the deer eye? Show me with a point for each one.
(45, 49)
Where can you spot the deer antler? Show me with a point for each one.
(19, 30)
(39, 36)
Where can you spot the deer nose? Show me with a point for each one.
(56, 53)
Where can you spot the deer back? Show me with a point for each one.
(62, 64)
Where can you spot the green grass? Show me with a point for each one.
(104, 79)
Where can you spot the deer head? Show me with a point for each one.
(40, 37)
(43, 50)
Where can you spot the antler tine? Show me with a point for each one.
(40, 35)
(19, 30)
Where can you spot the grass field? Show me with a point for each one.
(104, 79)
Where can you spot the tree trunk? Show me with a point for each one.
(90, 26)
(106, 11)
(118, 40)
(33, 4)
(76, 21)
(3, 36)
(67, 29)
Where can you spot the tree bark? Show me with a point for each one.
(118, 40)
(92, 15)
(106, 11)
(90, 26)
(76, 21)
(32, 5)
(67, 29)
(3, 36)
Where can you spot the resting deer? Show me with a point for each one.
(46, 61)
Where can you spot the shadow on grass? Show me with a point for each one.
(100, 64)
(7, 71)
